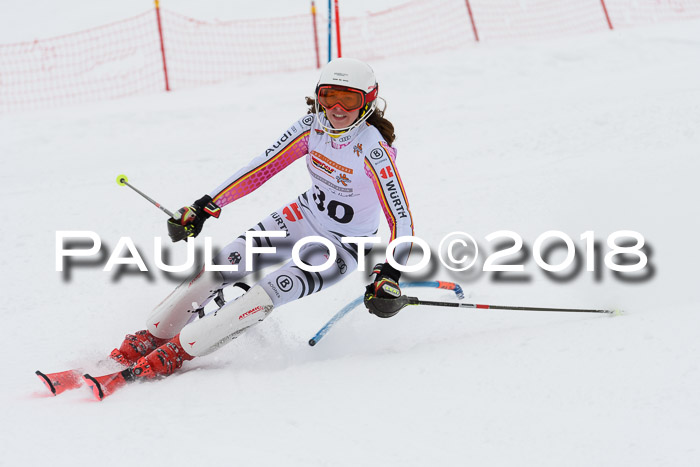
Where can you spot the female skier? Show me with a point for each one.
(347, 145)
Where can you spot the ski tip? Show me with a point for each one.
(618, 312)
(94, 386)
(47, 381)
(61, 381)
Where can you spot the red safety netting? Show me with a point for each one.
(423, 26)
(115, 60)
(509, 20)
(420, 26)
(201, 52)
(626, 13)
(124, 58)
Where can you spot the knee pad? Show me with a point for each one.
(205, 335)
(172, 314)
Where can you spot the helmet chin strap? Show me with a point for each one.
(329, 130)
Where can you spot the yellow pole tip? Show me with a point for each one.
(122, 180)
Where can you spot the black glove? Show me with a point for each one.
(192, 219)
(381, 296)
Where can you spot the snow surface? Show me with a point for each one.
(593, 133)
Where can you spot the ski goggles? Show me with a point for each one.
(348, 98)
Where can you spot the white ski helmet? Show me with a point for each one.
(347, 74)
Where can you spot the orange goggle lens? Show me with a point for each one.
(349, 99)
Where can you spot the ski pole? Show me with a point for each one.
(350, 306)
(123, 181)
(405, 300)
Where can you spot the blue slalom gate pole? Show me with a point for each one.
(330, 29)
(352, 305)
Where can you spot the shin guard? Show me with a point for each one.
(173, 313)
(215, 330)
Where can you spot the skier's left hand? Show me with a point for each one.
(192, 219)
(383, 292)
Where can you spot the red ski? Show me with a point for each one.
(103, 386)
(61, 381)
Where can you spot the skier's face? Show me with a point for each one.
(341, 118)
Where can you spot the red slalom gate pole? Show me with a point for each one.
(162, 46)
(337, 28)
(471, 17)
(313, 19)
(607, 16)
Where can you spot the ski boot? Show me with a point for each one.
(136, 346)
(163, 361)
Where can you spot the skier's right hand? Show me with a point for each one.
(192, 219)
(381, 297)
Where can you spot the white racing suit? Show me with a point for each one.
(353, 176)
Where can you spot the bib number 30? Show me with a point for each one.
(340, 212)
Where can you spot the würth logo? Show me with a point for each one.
(250, 312)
